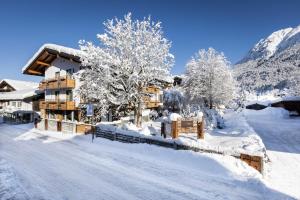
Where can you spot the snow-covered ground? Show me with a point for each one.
(281, 136)
(45, 165)
(237, 137)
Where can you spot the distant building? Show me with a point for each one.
(19, 100)
(256, 106)
(178, 80)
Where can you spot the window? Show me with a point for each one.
(13, 103)
(19, 104)
(69, 95)
(57, 74)
(70, 72)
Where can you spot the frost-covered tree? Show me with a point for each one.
(208, 77)
(133, 54)
(173, 99)
(92, 90)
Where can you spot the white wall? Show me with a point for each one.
(50, 95)
(61, 65)
(24, 106)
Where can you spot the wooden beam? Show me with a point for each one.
(30, 71)
(42, 63)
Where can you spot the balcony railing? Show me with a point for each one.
(57, 105)
(152, 104)
(57, 83)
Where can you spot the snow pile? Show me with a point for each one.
(269, 112)
(263, 99)
(174, 117)
(235, 138)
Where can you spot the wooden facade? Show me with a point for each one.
(148, 101)
(57, 105)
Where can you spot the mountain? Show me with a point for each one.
(273, 63)
(265, 48)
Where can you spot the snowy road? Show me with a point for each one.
(39, 166)
(281, 137)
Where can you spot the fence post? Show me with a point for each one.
(200, 129)
(174, 129)
(163, 129)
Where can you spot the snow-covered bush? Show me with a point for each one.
(208, 77)
(173, 99)
(212, 117)
(133, 55)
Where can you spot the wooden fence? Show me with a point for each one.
(184, 126)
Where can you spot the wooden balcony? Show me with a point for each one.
(57, 83)
(151, 90)
(152, 104)
(57, 105)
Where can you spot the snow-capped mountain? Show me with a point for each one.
(274, 43)
(273, 63)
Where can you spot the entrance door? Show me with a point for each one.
(59, 126)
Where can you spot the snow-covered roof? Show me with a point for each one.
(288, 98)
(20, 85)
(18, 95)
(55, 49)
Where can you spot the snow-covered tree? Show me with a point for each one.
(93, 90)
(133, 54)
(173, 99)
(208, 77)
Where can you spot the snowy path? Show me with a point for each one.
(282, 140)
(46, 167)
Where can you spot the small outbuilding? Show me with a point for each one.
(256, 106)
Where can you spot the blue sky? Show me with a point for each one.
(232, 27)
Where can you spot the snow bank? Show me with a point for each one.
(174, 117)
(235, 138)
(269, 112)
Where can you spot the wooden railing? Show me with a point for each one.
(151, 90)
(152, 104)
(57, 105)
(56, 83)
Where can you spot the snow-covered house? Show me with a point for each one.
(58, 65)
(19, 100)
